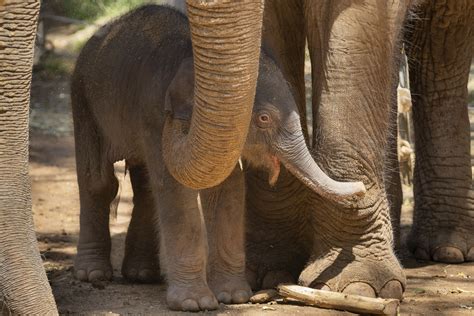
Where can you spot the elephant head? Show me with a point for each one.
(275, 134)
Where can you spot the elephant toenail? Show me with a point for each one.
(392, 289)
(360, 288)
(448, 254)
(189, 305)
(81, 275)
(240, 297)
(96, 275)
(208, 303)
(224, 297)
(421, 254)
(470, 255)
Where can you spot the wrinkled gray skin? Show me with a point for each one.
(355, 71)
(124, 87)
(24, 288)
(354, 48)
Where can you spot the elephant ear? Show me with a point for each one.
(180, 94)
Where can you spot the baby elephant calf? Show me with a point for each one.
(131, 76)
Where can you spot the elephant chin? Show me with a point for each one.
(292, 151)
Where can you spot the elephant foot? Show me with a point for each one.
(268, 279)
(442, 244)
(92, 263)
(141, 262)
(141, 269)
(374, 277)
(230, 289)
(273, 278)
(190, 298)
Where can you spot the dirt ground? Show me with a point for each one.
(438, 289)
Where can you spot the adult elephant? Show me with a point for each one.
(295, 235)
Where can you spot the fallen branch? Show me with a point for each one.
(341, 301)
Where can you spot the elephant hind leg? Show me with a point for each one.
(141, 262)
(97, 188)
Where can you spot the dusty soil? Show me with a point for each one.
(437, 289)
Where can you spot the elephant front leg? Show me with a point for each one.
(183, 248)
(440, 46)
(224, 210)
(353, 241)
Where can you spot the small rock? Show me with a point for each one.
(268, 308)
(264, 296)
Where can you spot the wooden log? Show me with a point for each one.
(340, 301)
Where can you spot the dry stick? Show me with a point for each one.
(341, 301)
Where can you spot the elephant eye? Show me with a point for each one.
(264, 119)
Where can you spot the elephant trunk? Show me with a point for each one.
(226, 38)
(292, 151)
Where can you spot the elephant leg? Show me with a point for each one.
(224, 212)
(97, 189)
(353, 241)
(24, 287)
(440, 45)
(183, 247)
(141, 262)
(392, 179)
(277, 236)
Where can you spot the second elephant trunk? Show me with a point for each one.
(291, 149)
(226, 40)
